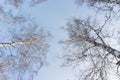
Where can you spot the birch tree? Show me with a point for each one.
(24, 47)
(88, 48)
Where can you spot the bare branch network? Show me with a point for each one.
(23, 55)
(87, 45)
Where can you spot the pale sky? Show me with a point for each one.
(52, 15)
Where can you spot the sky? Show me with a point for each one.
(52, 15)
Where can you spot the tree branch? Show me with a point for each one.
(13, 43)
(109, 49)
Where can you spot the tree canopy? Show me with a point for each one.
(23, 52)
(88, 47)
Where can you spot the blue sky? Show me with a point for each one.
(52, 15)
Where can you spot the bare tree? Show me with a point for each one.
(87, 47)
(24, 53)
